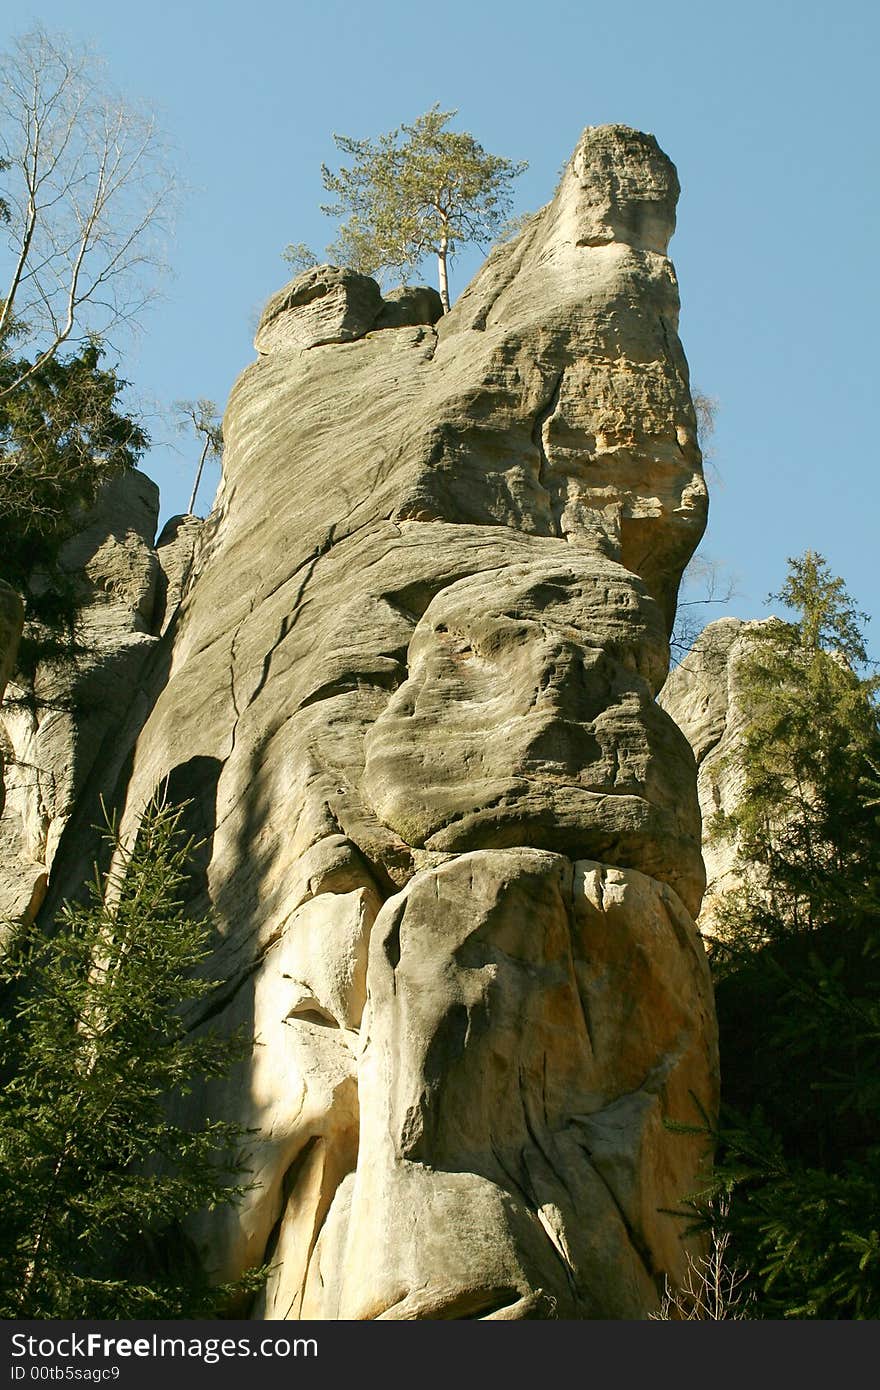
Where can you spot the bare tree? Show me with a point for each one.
(705, 582)
(86, 192)
(706, 411)
(713, 1289)
(202, 416)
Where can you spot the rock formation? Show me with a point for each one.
(11, 622)
(63, 729)
(452, 843)
(704, 697)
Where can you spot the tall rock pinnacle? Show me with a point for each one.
(453, 843)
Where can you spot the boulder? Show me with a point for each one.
(409, 306)
(325, 304)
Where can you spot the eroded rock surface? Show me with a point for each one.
(704, 697)
(452, 844)
(11, 622)
(530, 1022)
(58, 727)
(177, 550)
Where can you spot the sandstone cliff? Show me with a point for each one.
(11, 622)
(452, 842)
(704, 697)
(64, 729)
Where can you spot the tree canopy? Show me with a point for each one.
(63, 433)
(805, 814)
(419, 189)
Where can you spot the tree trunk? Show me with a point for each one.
(192, 500)
(442, 272)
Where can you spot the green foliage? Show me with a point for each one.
(299, 256)
(95, 1173)
(418, 189)
(808, 1235)
(62, 434)
(810, 755)
(797, 964)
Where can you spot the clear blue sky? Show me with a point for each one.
(768, 109)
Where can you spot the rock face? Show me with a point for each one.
(11, 622)
(703, 696)
(452, 842)
(177, 551)
(63, 731)
(513, 1161)
(328, 304)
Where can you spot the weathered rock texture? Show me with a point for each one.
(11, 623)
(62, 731)
(452, 842)
(704, 697)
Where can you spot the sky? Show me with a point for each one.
(765, 108)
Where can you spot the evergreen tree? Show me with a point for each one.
(797, 963)
(95, 1174)
(420, 189)
(809, 756)
(62, 434)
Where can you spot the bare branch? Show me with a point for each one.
(202, 416)
(90, 181)
(712, 1289)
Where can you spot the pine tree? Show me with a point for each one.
(420, 189)
(63, 434)
(96, 1176)
(809, 757)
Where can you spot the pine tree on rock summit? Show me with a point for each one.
(419, 189)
